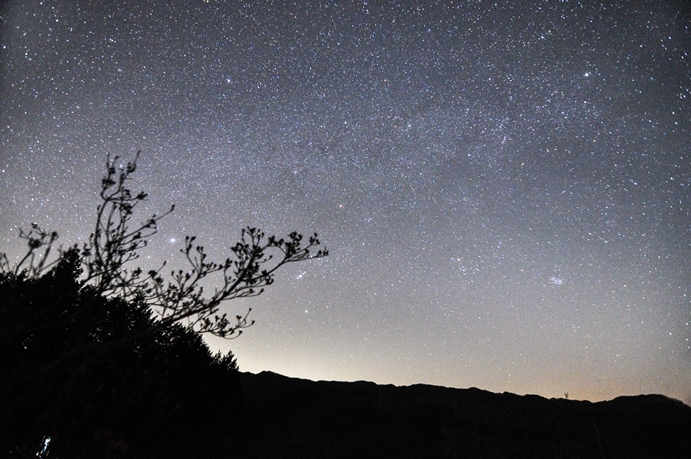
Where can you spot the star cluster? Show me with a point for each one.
(504, 187)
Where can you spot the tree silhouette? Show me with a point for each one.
(98, 359)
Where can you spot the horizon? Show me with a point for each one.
(563, 397)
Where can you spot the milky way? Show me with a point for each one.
(504, 188)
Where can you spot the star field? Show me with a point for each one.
(504, 187)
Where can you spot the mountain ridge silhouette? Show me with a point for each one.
(293, 417)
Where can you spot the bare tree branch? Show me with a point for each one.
(116, 242)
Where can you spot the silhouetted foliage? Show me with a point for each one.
(100, 360)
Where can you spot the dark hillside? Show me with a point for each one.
(288, 417)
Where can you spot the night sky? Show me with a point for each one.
(504, 187)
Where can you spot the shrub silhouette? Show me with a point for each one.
(100, 360)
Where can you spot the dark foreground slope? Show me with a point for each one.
(288, 417)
